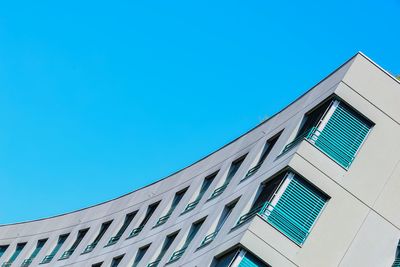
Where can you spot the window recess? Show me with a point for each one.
(204, 186)
(336, 129)
(177, 198)
(231, 173)
(288, 203)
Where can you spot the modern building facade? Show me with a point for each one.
(318, 184)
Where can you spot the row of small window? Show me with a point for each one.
(128, 219)
(286, 201)
(333, 127)
(236, 257)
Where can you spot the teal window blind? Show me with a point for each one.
(249, 260)
(238, 258)
(296, 211)
(336, 129)
(342, 135)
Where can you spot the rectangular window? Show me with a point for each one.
(128, 219)
(116, 261)
(79, 237)
(290, 204)
(39, 246)
(104, 227)
(177, 198)
(396, 262)
(99, 264)
(265, 152)
(18, 249)
(336, 129)
(205, 185)
(149, 213)
(3, 249)
(264, 194)
(60, 242)
(167, 243)
(191, 235)
(231, 173)
(238, 258)
(221, 221)
(140, 254)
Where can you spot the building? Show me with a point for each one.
(318, 184)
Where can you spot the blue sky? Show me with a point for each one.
(100, 98)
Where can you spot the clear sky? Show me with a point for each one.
(98, 98)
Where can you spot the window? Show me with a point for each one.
(238, 258)
(396, 262)
(336, 129)
(18, 249)
(191, 235)
(116, 261)
(60, 242)
(79, 237)
(140, 254)
(290, 204)
(177, 198)
(167, 243)
(205, 185)
(264, 194)
(221, 221)
(231, 173)
(149, 212)
(104, 227)
(265, 152)
(128, 219)
(97, 264)
(36, 251)
(3, 249)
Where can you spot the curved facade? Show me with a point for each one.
(315, 185)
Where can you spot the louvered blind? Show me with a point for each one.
(251, 261)
(343, 134)
(296, 210)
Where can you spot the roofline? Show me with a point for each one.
(379, 67)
